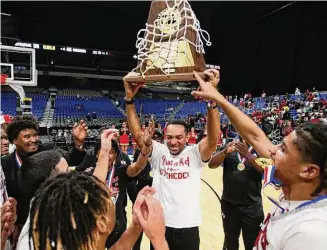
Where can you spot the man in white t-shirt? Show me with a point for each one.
(177, 169)
(298, 221)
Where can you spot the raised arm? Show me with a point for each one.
(208, 145)
(136, 167)
(219, 158)
(101, 169)
(247, 128)
(133, 120)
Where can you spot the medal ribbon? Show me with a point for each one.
(269, 179)
(110, 177)
(240, 157)
(18, 160)
(242, 161)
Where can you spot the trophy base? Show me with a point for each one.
(164, 78)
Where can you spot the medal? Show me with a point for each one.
(241, 166)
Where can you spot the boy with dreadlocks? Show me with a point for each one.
(83, 215)
(299, 220)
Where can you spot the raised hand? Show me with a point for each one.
(242, 148)
(213, 76)
(207, 90)
(139, 204)
(151, 218)
(106, 137)
(148, 133)
(230, 148)
(80, 131)
(131, 88)
(8, 219)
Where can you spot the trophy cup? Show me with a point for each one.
(170, 47)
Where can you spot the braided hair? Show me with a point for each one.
(64, 212)
(311, 142)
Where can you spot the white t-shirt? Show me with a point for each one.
(298, 229)
(177, 179)
(23, 240)
(3, 190)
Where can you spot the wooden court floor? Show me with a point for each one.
(211, 231)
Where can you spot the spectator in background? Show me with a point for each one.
(5, 120)
(263, 94)
(297, 91)
(4, 142)
(288, 128)
(235, 100)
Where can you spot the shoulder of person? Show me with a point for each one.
(7, 160)
(307, 234)
(125, 160)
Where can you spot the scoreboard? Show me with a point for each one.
(68, 49)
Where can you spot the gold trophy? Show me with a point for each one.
(170, 48)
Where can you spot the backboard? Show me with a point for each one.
(19, 64)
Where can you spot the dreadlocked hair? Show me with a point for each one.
(64, 212)
(20, 123)
(312, 143)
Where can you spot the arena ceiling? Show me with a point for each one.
(114, 25)
(271, 46)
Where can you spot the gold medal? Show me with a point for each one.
(241, 166)
(264, 162)
(151, 173)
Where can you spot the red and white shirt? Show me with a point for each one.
(177, 179)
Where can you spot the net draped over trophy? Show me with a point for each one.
(171, 46)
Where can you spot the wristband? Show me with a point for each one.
(212, 107)
(129, 102)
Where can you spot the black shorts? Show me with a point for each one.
(182, 238)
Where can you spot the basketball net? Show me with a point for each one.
(171, 21)
(18, 88)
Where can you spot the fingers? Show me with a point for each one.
(209, 74)
(196, 94)
(137, 87)
(139, 215)
(109, 132)
(198, 78)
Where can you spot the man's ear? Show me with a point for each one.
(102, 223)
(309, 172)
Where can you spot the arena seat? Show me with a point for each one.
(8, 103)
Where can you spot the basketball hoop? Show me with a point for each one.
(3, 79)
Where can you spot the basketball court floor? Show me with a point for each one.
(211, 231)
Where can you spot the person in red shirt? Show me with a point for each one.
(288, 128)
(192, 137)
(124, 138)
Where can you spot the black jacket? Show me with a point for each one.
(12, 174)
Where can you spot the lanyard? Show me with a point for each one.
(240, 157)
(18, 160)
(269, 179)
(315, 200)
(238, 154)
(110, 177)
